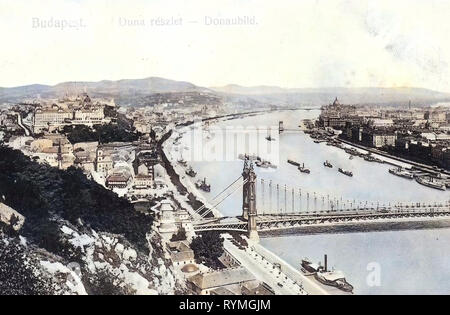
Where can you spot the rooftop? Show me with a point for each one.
(221, 278)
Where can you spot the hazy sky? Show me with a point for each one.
(285, 43)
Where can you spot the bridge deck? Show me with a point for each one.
(286, 221)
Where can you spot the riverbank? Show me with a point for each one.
(422, 167)
(356, 227)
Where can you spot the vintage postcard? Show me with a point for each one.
(224, 147)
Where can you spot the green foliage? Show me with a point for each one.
(102, 133)
(104, 283)
(16, 275)
(40, 192)
(208, 247)
(180, 236)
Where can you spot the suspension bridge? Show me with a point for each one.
(281, 207)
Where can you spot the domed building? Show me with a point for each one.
(190, 269)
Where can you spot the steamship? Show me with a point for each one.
(335, 278)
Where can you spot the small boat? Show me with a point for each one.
(248, 157)
(369, 158)
(334, 278)
(401, 172)
(350, 157)
(293, 163)
(431, 182)
(191, 172)
(201, 184)
(303, 169)
(308, 266)
(327, 164)
(269, 137)
(182, 162)
(348, 173)
(263, 164)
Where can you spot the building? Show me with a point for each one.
(381, 123)
(53, 149)
(230, 279)
(142, 126)
(435, 136)
(166, 220)
(146, 159)
(85, 155)
(68, 111)
(180, 253)
(382, 139)
(337, 115)
(440, 154)
(376, 138)
(39, 145)
(103, 161)
(259, 289)
(437, 115)
(88, 116)
(45, 118)
(143, 181)
(118, 180)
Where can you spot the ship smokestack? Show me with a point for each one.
(325, 262)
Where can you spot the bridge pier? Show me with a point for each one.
(280, 126)
(250, 195)
(245, 189)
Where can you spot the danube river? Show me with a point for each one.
(411, 261)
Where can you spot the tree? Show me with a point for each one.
(102, 133)
(17, 276)
(208, 247)
(40, 192)
(180, 236)
(104, 283)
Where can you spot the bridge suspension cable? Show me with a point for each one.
(293, 200)
(218, 195)
(213, 207)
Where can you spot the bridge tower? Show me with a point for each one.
(280, 126)
(245, 200)
(252, 213)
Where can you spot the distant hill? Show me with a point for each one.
(320, 96)
(121, 89)
(137, 92)
(140, 86)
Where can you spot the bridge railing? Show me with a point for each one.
(277, 199)
(429, 208)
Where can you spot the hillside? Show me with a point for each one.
(142, 92)
(77, 238)
(321, 96)
(124, 90)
